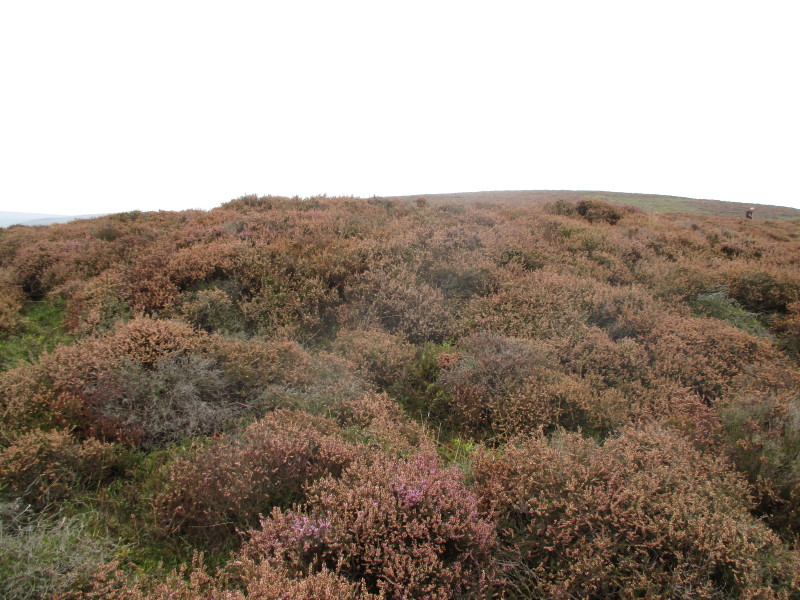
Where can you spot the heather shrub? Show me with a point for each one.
(145, 340)
(644, 515)
(11, 298)
(405, 529)
(594, 355)
(32, 268)
(211, 310)
(789, 328)
(461, 276)
(149, 285)
(66, 387)
(252, 365)
(624, 311)
(598, 211)
(531, 304)
(378, 422)
(289, 308)
(43, 556)
(47, 466)
(400, 302)
(764, 290)
(154, 406)
(504, 386)
(705, 355)
(379, 357)
(762, 431)
(255, 582)
(226, 484)
(96, 305)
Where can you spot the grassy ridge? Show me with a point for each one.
(655, 203)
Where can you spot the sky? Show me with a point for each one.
(169, 105)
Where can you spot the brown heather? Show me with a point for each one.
(618, 390)
(42, 467)
(644, 515)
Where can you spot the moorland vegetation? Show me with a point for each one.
(341, 398)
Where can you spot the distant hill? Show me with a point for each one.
(7, 219)
(648, 202)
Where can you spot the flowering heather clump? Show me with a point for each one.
(46, 466)
(227, 484)
(405, 529)
(645, 515)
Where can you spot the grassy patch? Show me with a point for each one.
(719, 306)
(40, 330)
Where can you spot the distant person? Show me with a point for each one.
(749, 213)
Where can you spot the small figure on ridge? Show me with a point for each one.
(749, 213)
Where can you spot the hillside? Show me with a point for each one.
(528, 395)
(7, 219)
(647, 202)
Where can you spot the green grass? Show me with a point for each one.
(40, 330)
(719, 306)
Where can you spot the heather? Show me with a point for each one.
(347, 398)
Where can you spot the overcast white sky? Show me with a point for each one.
(109, 106)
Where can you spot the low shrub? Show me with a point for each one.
(254, 582)
(211, 310)
(644, 515)
(226, 484)
(399, 301)
(97, 305)
(596, 211)
(405, 529)
(11, 301)
(378, 422)
(47, 466)
(762, 431)
(504, 386)
(764, 290)
(379, 357)
(531, 304)
(704, 355)
(154, 406)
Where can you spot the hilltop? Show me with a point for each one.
(648, 202)
(401, 398)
